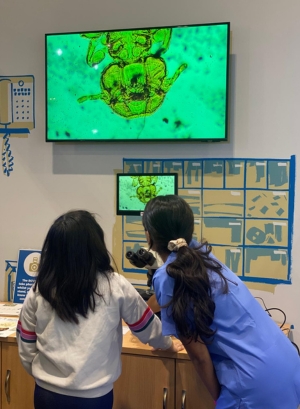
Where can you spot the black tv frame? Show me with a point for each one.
(193, 140)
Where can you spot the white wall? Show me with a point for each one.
(49, 179)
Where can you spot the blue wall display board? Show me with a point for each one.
(243, 207)
(27, 269)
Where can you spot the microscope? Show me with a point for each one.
(149, 260)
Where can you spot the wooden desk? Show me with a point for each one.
(158, 379)
(149, 380)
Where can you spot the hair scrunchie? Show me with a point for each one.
(174, 245)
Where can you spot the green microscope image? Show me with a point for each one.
(159, 83)
(135, 83)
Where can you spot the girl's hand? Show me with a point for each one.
(175, 347)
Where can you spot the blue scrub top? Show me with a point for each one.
(256, 364)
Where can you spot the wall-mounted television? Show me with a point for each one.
(145, 84)
(135, 190)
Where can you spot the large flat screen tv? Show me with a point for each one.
(145, 84)
(135, 190)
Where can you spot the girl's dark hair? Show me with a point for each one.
(73, 255)
(169, 218)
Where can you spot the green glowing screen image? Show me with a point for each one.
(144, 84)
(134, 191)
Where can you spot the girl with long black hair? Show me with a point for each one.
(70, 329)
(240, 353)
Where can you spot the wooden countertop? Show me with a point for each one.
(131, 345)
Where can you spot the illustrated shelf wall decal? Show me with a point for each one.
(243, 207)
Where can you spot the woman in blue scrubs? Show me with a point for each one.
(240, 353)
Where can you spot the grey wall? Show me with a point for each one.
(264, 111)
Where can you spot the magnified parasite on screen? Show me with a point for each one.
(146, 189)
(135, 83)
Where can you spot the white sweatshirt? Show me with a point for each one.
(84, 360)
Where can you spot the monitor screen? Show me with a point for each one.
(134, 191)
(146, 84)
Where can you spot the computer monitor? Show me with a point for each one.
(141, 84)
(134, 190)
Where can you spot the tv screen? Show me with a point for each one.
(134, 191)
(146, 84)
